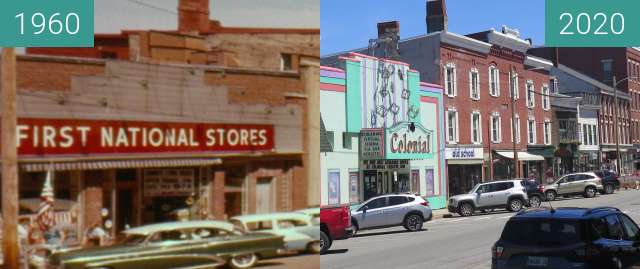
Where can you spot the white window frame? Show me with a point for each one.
(497, 81)
(479, 129)
(546, 103)
(516, 91)
(530, 96)
(456, 129)
(531, 140)
(454, 83)
(498, 137)
(546, 129)
(474, 71)
(517, 129)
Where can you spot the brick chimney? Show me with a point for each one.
(193, 16)
(388, 28)
(436, 16)
(388, 37)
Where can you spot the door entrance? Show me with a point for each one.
(264, 195)
(369, 183)
(124, 204)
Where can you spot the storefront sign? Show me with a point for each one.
(38, 137)
(168, 182)
(464, 153)
(372, 143)
(404, 143)
(384, 164)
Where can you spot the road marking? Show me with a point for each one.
(482, 218)
(456, 220)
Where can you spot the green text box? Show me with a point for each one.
(594, 23)
(75, 27)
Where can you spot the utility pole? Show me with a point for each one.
(490, 152)
(9, 160)
(512, 88)
(616, 128)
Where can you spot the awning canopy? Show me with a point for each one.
(522, 156)
(117, 164)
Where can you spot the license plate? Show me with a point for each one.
(537, 261)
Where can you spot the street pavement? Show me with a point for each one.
(306, 261)
(454, 242)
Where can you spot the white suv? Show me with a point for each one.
(509, 194)
(407, 210)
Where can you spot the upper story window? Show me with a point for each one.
(476, 127)
(494, 81)
(452, 126)
(286, 62)
(531, 100)
(474, 84)
(531, 131)
(513, 86)
(496, 128)
(546, 104)
(554, 85)
(547, 132)
(517, 119)
(450, 80)
(607, 70)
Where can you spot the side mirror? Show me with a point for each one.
(478, 192)
(364, 208)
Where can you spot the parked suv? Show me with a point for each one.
(610, 181)
(407, 210)
(535, 192)
(586, 184)
(600, 237)
(509, 194)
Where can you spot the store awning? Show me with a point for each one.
(118, 164)
(522, 156)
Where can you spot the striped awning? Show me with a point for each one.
(118, 164)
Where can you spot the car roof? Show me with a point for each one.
(175, 225)
(271, 216)
(501, 181)
(579, 213)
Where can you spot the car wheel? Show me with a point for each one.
(608, 189)
(354, 227)
(590, 192)
(551, 195)
(515, 205)
(413, 222)
(325, 242)
(465, 209)
(243, 261)
(535, 201)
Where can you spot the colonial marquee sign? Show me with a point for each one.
(39, 137)
(372, 143)
(385, 164)
(403, 143)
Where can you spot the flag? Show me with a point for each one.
(45, 218)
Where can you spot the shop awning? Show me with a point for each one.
(522, 156)
(117, 164)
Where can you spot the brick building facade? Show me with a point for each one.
(203, 75)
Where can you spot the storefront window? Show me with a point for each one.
(353, 187)
(429, 182)
(334, 187)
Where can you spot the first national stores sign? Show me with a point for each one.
(37, 137)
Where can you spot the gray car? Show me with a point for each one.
(509, 194)
(407, 210)
(586, 184)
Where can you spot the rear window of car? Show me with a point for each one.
(542, 232)
(397, 200)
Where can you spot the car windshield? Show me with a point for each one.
(473, 190)
(133, 239)
(542, 232)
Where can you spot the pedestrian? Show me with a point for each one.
(95, 236)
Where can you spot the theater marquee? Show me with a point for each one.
(83, 137)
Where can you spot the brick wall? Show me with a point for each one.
(37, 73)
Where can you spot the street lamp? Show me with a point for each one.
(616, 128)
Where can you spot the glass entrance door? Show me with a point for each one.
(370, 184)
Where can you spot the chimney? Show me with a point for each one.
(193, 16)
(436, 16)
(388, 37)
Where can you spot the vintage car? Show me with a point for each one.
(314, 213)
(188, 244)
(298, 230)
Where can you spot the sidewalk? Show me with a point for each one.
(441, 213)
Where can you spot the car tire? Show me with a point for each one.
(535, 201)
(608, 189)
(325, 242)
(354, 227)
(590, 192)
(243, 261)
(551, 195)
(515, 205)
(465, 209)
(413, 222)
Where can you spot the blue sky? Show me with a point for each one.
(349, 24)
